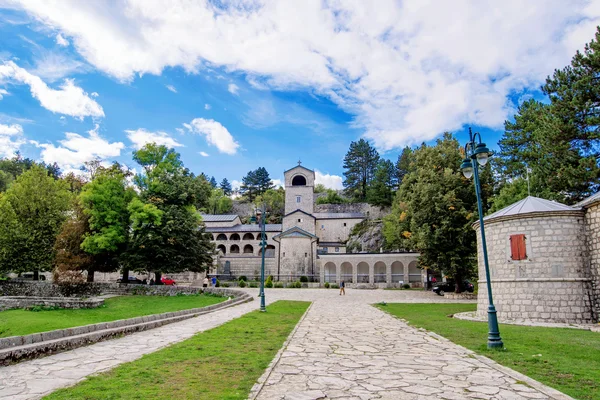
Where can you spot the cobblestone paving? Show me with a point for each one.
(347, 349)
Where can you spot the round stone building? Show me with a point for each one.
(539, 263)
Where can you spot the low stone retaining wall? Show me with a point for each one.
(17, 348)
(460, 296)
(47, 289)
(12, 302)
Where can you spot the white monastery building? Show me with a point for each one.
(306, 243)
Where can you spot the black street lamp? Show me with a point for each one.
(260, 213)
(479, 153)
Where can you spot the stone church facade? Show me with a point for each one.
(306, 243)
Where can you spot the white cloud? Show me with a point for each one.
(52, 66)
(61, 41)
(11, 139)
(94, 94)
(171, 88)
(235, 184)
(76, 149)
(329, 181)
(233, 88)
(203, 154)
(140, 137)
(207, 106)
(216, 134)
(3, 93)
(69, 100)
(278, 183)
(406, 70)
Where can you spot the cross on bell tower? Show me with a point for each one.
(299, 162)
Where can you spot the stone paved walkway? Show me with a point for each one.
(347, 349)
(343, 349)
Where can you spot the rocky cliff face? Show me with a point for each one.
(366, 237)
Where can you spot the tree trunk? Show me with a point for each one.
(90, 275)
(36, 275)
(157, 276)
(458, 286)
(125, 278)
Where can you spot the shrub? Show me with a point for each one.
(252, 284)
(279, 285)
(326, 285)
(242, 283)
(269, 282)
(270, 277)
(243, 278)
(304, 279)
(225, 285)
(335, 286)
(218, 283)
(298, 284)
(406, 286)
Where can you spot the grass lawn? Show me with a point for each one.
(222, 363)
(569, 359)
(24, 322)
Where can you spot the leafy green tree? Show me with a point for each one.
(105, 202)
(255, 183)
(320, 188)
(381, 191)
(274, 200)
(332, 197)
(218, 203)
(70, 258)
(177, 242)
(433, 211)
(213, 182)
(11, 168)
(226, 187)
(359, 164)
(32, 211)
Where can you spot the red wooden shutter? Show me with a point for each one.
(517, 247)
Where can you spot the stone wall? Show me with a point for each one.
(335, 230)
(15, 302)
(371, 212)
(39, 289)
(592, 219)
(550, 285)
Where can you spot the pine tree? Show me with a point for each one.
(256, 183)
(403, 163)
(359, 163)
(213, 182)
(226, 187)
(381, 191)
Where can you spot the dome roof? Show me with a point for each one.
(530, 205)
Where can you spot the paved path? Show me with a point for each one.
(347, 349)
(343, 349)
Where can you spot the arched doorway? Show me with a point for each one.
(362, 270)
(221, 248)
(248, 236)
(346, 272)
(414, 272)
(222, 236)
(235, 236)
(380, 272)
(330, 272)
(248, 249)
(397, 272)
(269, 251)
(235, 249)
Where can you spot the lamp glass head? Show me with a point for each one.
(467, 168)
(482, 154)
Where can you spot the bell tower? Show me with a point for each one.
(299, 189)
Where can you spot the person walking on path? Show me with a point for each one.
(205, 282)
(342, 288)
(214, 281)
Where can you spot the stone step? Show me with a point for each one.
(18, 348)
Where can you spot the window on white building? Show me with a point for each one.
(344, 224)
(298, 199)
(337, 249)
(322, 226)
(299, 219)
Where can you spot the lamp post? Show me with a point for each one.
(260, 213)
(479, 153)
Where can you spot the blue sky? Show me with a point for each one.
(235, 86)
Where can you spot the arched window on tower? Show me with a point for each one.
(298, 180)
